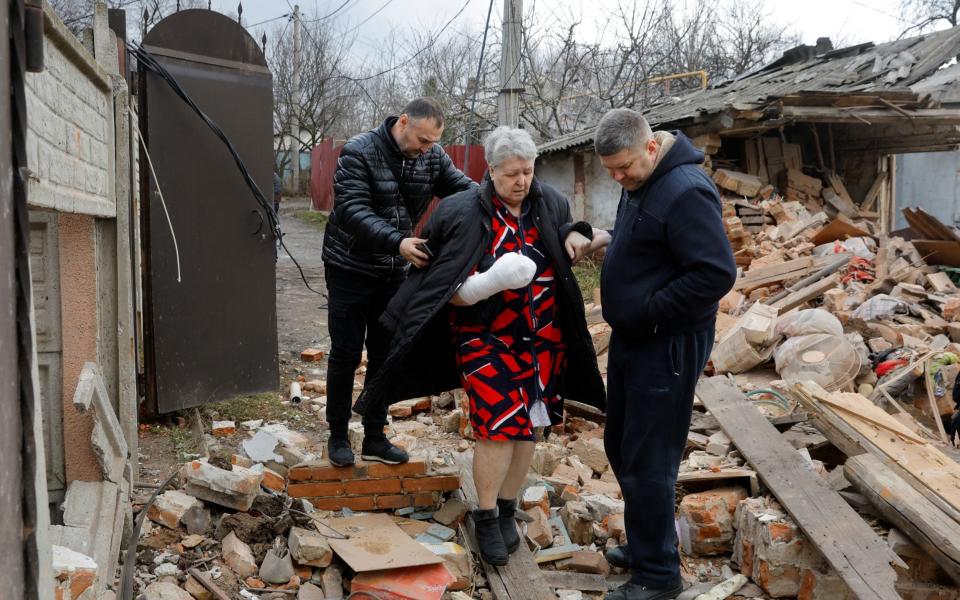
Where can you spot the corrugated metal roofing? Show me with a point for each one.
(898, 65)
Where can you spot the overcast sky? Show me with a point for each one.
(844, 21)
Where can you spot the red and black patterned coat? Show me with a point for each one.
(422, 360)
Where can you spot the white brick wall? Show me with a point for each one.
(70, 130)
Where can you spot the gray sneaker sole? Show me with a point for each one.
(385, 461)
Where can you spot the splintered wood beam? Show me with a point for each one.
(859, 556)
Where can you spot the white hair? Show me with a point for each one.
(506, 142)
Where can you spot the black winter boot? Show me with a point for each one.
(489, 538)
(508, 524)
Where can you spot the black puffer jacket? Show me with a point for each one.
(422, 358)
(379, 195)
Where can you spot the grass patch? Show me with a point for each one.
(266, 406)
(587, 272)
(312, 217)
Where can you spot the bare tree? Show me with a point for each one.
(925, 14)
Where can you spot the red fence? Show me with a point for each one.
(323, 164)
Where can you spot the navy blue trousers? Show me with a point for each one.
(650, 387)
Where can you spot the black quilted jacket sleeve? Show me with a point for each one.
(355, 213)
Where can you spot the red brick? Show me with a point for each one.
(781, 532)
(442, 483)
(311, 355)
(351, 502)
(426, 499)
(394, 502)
(414, 467)
(372, 486)
(324, 471)
(273, 481)
(303, 490)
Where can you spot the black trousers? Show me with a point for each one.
(650, 388)
(355, 303)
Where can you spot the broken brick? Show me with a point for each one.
(170, 507)
(586, 561)
(312, 355)
(309, 548)
(706, 521)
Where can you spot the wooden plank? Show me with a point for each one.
(727, 475)
(924, 467)
(562, 580)
(521, 578)
(851, 547)
(807, 293)
(870, 200)
(899, 503)
(838, 229)
(939, 252)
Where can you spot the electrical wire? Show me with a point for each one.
(156, 180)
(283, 16)
(147, 59)
(328, 15)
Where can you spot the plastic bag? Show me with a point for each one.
(807, 322)
(880, 306)
(829, 360)
(859, 246)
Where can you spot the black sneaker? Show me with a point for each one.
(619, 556)
(381, 450)
(339, 452)
(635, 591)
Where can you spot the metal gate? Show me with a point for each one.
(212, 334)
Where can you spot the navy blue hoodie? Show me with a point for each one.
(669, 261)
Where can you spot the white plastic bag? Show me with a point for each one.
(880, 306)
(807, 322)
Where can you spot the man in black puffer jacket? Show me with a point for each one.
(667, 265)
(384, 181)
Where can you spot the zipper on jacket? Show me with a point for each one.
(396, 208)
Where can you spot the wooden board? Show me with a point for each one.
(838, 229)
(805, 294)
(851, 547)
(882, 432)
(773, 273)
(939, 252)
(930, 226)
(693, 479)
(843, 205)
(377, 543)
(521, 578)
(899, 503)
(584, 582)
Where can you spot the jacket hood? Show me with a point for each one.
(681, 152)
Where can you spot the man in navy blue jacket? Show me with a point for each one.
(668, 263)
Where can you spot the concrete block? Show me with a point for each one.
(576, 518)
(234, 489)
(238, 556)
(171, 506)
(109, 445)
(309, 547)
(162, 590)
(536, 495)
(546, 458)
(586, 561)
(74, 573)
(592, 453)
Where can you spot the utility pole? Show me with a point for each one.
(294, 104)
(508, 104)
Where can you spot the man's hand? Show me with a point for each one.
(577, 245)
(601, 239)
(414, 255)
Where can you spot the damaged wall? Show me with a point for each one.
(78, 154)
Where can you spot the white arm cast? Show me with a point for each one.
(509, 272)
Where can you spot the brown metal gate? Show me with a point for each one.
(212, 334)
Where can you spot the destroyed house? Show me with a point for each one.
(818, 111)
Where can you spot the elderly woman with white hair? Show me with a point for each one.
(498, 312)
